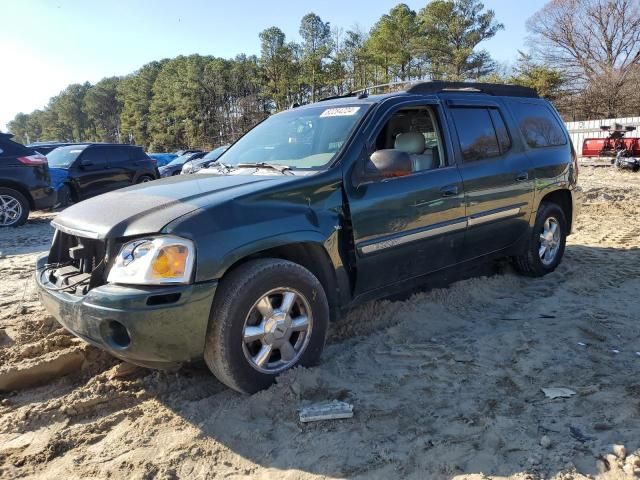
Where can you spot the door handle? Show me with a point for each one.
(522, 176)
(449, 191)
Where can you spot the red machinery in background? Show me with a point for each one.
(616, 142)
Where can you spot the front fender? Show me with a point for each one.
(309, 211)
(267, 243)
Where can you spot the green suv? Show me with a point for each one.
(314, 210)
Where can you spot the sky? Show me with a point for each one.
(47, 44)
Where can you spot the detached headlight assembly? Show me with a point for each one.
(154, 261)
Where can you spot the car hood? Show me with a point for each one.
(148, 207)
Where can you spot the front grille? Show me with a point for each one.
(76, 264)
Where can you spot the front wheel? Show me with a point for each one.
(268, 316)
(546, 244)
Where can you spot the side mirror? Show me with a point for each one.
(86, 163)
(389, 163)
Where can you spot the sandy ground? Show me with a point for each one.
(445, 384)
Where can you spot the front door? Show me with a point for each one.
(497, 176)
(407, 226)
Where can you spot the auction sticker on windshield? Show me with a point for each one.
(339, 112)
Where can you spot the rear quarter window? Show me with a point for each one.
(139, 154)
(538, 125)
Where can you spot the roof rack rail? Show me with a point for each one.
(333, 97)
(507, 90)
(366, 90)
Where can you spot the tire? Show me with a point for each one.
(144, 179)
(228, 353)
(534, 263)
(64, 197)
(14, 208)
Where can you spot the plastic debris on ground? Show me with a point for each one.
(557, 392)
(326, 411)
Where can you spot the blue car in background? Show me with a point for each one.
(174, 167)
(163, 159)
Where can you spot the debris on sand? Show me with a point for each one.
(557, 392)
(123, 370)
(326, 411)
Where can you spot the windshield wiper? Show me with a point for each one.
(283, 169)
(223, 166)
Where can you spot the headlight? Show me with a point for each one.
(154, 261)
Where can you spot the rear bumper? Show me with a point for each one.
(127, 321)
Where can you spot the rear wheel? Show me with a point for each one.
(268, 316)
(145, 179)
(546, 244)
(14, 208)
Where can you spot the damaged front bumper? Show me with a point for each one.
(152, 326)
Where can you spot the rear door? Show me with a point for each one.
(91, 171)
(547, 143)
(121, 166)
(408, 226)
(496, 172)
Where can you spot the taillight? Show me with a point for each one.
(37, 159)
(574, 159)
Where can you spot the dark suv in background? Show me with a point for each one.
(84, 170)
(45, 147)
(316, 209)
(24, 182)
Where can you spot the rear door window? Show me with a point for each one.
(120, 156)
(96, 156)
(538, 125)
(476, 134)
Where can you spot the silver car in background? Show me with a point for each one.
(192, 166)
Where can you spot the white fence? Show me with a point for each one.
(578, 131)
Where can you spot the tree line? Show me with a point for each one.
(585, 57)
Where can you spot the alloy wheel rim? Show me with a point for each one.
(549, 241)
(277, 330)
(10, 210)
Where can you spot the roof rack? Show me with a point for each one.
(506, 90)
(438, 86)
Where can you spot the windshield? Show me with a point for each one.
(181, 159)
(304, 138)
(63, 157)
(215, 153)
